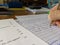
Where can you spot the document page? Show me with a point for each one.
(11, 33)
(40, 26)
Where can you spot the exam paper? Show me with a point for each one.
(11, 33)
(40, 26)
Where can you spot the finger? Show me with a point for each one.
(50, 16)
(54, 15)
(54, 8)
(58, 23)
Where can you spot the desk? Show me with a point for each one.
(16, 12)
(20, 11)
(6, 16)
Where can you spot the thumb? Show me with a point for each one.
(54, 8)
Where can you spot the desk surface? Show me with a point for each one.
(17, 8)
(16, 12)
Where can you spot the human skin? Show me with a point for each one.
(54, 16)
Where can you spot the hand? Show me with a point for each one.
(54, 15)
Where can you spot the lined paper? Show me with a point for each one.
(11, 33)
(40, 26)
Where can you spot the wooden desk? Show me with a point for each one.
(6, 16)
(16, 12)
(20, 11)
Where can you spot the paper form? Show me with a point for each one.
(11, 33)
(40, 26)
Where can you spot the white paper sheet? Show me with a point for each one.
(40, 26)
(42, 10)
(11, 33)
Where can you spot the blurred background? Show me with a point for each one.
(11, 8)
(48, 3)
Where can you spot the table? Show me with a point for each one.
(15, 12)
